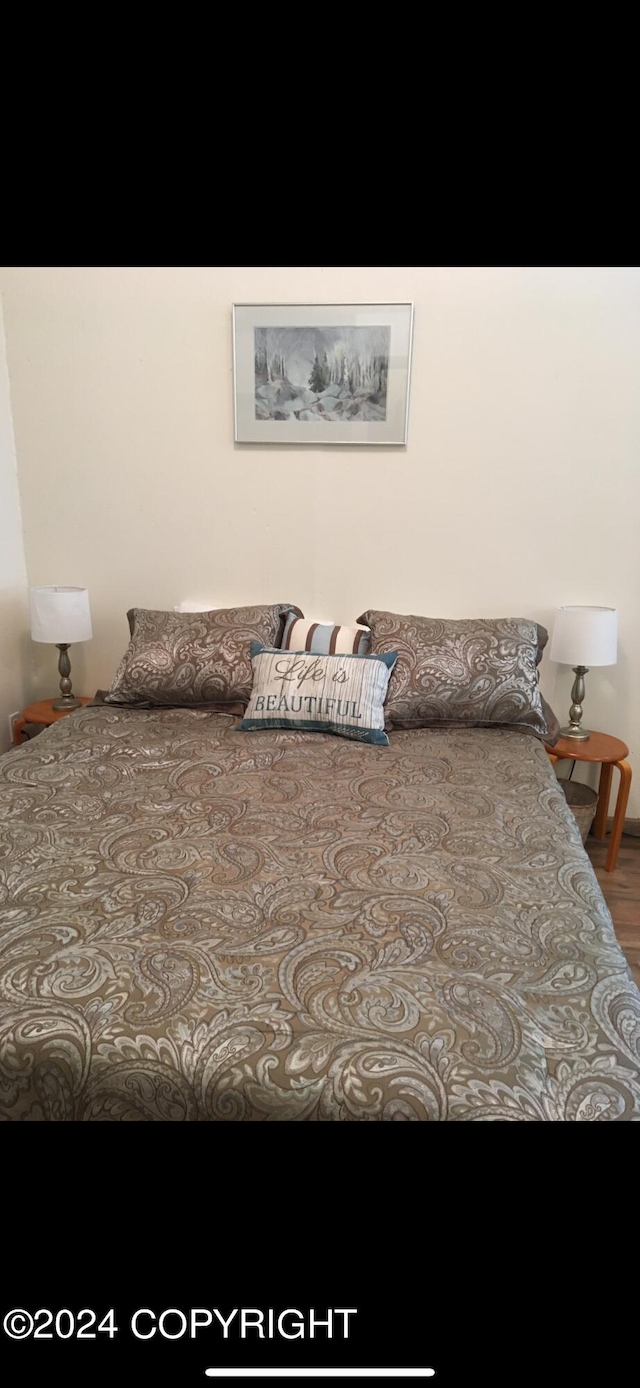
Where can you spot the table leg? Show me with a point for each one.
(599, 827)
(618, 818)
(17, 731)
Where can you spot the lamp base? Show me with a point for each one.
(575, 731)
(576, 734)
(67, 699)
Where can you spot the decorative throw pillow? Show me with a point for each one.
(341, 694)
(478, 672)
(189, 658)
(323, 638)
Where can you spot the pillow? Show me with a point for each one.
(194, 658)
(477, 673)
(341, 694)
(323, 638)
(553, 727)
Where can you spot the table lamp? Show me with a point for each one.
(583, 636)
(61, 616)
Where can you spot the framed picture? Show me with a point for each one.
(322, 373)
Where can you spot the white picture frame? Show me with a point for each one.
(322, 373)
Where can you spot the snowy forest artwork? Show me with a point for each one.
(321, 374)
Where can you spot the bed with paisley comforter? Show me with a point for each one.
(199, 923)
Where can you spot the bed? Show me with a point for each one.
(198, 923)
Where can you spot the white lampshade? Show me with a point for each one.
(585, 636)
(60, 615)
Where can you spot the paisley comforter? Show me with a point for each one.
(198, 923)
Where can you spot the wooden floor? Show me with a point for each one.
(621, 890)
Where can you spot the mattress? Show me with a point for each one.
(202, 924)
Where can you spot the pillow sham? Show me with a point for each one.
(476, 672)
(341, 694)
(193, 658)
(553, 727)
(323, 638)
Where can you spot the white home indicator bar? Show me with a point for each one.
(320, 1373)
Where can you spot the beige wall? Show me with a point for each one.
(519, 489)
(15, 645)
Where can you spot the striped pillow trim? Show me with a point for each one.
(321, 638)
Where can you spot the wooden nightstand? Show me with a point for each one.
(43, 713)
(610, 752)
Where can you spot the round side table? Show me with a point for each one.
(610, 752)
(43, 713)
